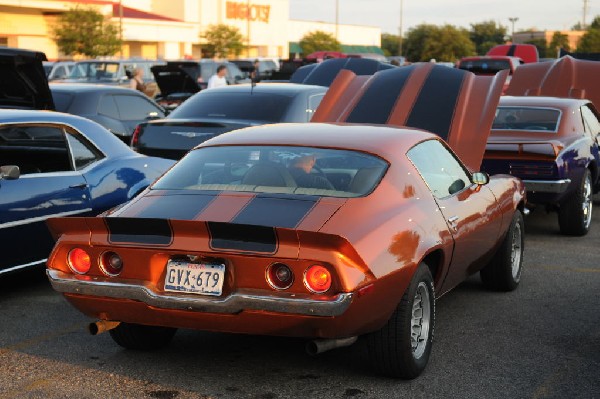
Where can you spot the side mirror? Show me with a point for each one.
(10, 172)
(480, 178)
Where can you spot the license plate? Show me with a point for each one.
(196, 278)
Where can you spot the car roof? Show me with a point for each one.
(386, 141)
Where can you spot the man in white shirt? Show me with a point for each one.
(218, 79)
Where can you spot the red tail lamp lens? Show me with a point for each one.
(111, 263)
(136, 136)
(317, 279)
(280, 276)
(79, 261)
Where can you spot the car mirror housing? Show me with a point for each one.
(480, 178)
(9, 172)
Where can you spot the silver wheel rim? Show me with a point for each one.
(516, 251)
(587, 202)
(421, 317)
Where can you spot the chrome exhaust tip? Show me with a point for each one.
(101, 326)
(317, 346)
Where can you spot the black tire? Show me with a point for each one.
(140, 337)
(503, 273)
(575, 213)
(390, 349)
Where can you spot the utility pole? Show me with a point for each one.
(337, 19)
(400, 36)
(121, 26)
(512, 34)
(585, 6)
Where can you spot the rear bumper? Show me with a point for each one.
(547, 186)
(242, 300)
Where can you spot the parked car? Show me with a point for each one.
(118, 109)
(489, 65)
(113, 72)
(203, 69)
(243, 236)
(552, 143)
(56, 164)
(219, 110)
(527, 52)
(58, 70)
(266, 67)
(176, 82)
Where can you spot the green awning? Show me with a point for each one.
(295, 47)
(360, 49)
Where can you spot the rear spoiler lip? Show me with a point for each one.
(556, 147)
(241, 300)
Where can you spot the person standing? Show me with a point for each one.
(218, 79)
(137, 81)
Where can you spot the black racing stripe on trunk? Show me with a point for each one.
(181, 207)
(379, 99)
(511, 50)
(139, 231)
(434, 108)
(275, 212)
(239, 237)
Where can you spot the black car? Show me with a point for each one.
(116, 108)
(219, 110)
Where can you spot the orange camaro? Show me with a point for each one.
(328, 231)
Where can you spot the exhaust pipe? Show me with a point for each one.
(317, 346)
(102, 326)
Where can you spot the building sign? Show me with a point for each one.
(247, 11)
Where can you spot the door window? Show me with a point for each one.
(135, 108)
(108, 107)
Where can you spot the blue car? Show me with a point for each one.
(54, 164)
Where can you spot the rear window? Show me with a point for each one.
(276, 169)
(484, 66)
(543, 120)
(217, 104)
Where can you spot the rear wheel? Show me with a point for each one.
(503, 273)
(402, 347)
(140, 337)
(575, 214)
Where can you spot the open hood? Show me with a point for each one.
(456, 105)
(323, 74)
(172, 78)
(23, 82)
(565, 77)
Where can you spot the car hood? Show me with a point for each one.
(174, 79)
(257, 209)
(456, 105)
(566, 77)
(23, 82)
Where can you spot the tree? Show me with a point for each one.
(590, 42)
(445, 43)
(390, 44)
(558, 41)
(85, 31)
(542, 46)
(486, 35)
(595, 23)
(223, 40)
(319, 41)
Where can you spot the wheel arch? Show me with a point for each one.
(434, 261)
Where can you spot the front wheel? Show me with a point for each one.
(503, 273)
(575, 214)
(402, 347)
(141, 337)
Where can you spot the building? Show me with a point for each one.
(172, 29)
(573, 36)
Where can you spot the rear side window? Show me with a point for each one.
(276, 169)
(484, 66)
(135, 108)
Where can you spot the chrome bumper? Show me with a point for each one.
(547, 186)
(241, 300)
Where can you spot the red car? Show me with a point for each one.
(325, 231)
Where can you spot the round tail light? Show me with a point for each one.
(280, 276)
(317, 279)
(79, 261)
(111, 263)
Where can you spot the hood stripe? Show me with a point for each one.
(275, 212)
(434, 108)
(226, 236)
(139, 231)
(181, 207)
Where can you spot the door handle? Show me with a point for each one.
(80, 185)
(452, 222)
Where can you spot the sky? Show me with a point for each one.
(538, 14)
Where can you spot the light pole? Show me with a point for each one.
(337, 19)
(400, 36)
(512, 34)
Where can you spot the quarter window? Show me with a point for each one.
(82, 152)
(440, 169)
(592, 126)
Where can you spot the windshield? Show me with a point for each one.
(543, 120)
(276, 169)
(490, 66)
(238, 105)
(95, 70)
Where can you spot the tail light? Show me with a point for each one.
(317, 279)
(111, 263)
(136, 136)
(79, 261)
(280, 276)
